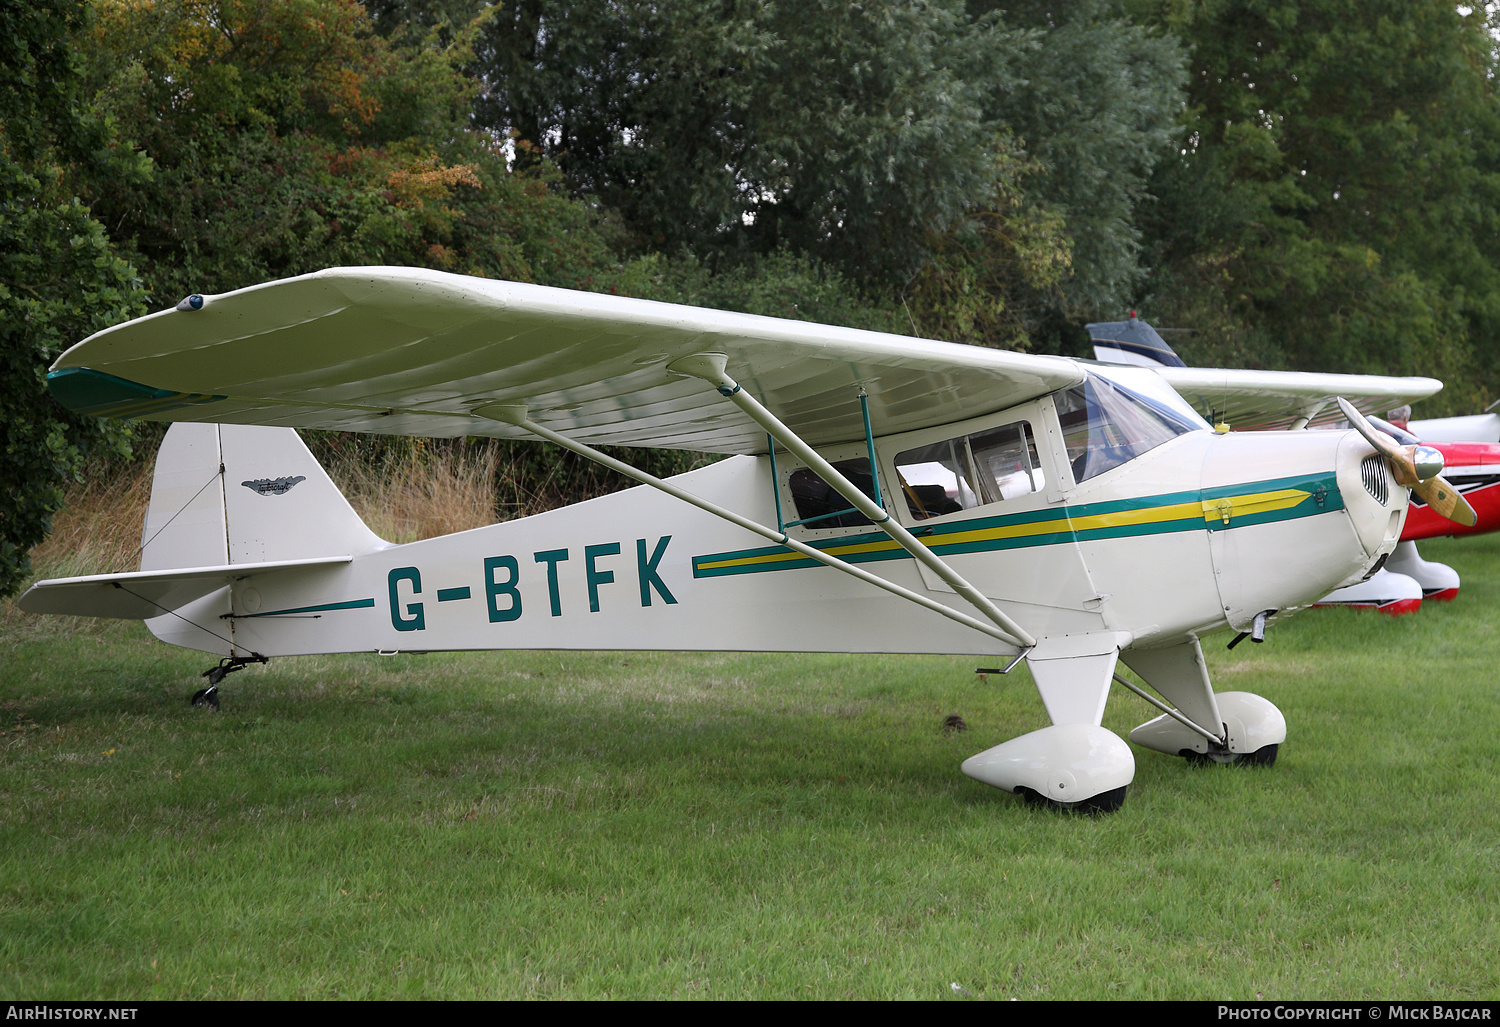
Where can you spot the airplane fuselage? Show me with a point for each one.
(1202, 530)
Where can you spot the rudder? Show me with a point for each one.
(281, 504)
(233, 493)
(185, 524)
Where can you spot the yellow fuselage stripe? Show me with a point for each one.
(1208, 510)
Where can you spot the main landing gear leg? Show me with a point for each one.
(1203, 726)
(209, 696)
(1075, 764)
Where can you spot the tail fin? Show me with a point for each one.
(1131, 342)
(232, 493)
(185, 520)
(227, 502)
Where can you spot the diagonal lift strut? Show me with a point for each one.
(710, 367)
(518, 415)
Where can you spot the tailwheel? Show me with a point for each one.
(1104, 802)
(209, 696)
(1265, 756)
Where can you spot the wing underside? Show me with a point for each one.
(409, 351)
(1261, 400)
(415, 352)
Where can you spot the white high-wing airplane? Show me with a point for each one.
(883, 494)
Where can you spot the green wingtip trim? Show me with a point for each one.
(87, 391)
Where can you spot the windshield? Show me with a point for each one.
(1105, 423)
(1150, 388)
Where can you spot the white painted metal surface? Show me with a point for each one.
(410, 351)
(1065, 763)
(1250, 723)
(1253, 721)
(1470, 428)
(1438, 580)
(1263, 400)
(1384, 590)
(1121, 528)
(142, 595)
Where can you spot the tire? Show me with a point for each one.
(1265, 756)
(1104, 802)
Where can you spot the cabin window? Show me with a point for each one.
(971, 470)
(1105, 424)
(819, 504)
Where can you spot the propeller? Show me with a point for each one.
(1418, 467)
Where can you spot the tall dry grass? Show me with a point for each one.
(98, 530)
(405, 490)
(426, 492)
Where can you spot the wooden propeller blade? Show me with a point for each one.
(1444, 498)
(1402, 458)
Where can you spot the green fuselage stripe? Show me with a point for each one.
(1247, 504)
(353, 604)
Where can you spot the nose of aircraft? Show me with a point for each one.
(1375, 503)
(1308, 511)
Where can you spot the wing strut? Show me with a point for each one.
(517, 415)
(1307, 413)
(710, 367)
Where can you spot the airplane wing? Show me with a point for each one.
(141, 595)
(414, 352)
(1259, 400)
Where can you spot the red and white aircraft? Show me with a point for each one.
(1407, 579)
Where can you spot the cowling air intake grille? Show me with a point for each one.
(1377, 482)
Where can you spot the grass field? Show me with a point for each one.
(716, 825)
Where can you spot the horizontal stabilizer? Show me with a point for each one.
(141, 595)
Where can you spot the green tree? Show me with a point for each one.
(848, 132)
(290, 137)
(1333, 204)
(1096, 107)
(60, 279)
(979, 166)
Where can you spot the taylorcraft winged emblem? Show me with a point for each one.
(273, 486)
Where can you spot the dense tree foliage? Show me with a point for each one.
(1333, 205)
(60, 279)
(289, 137)
(850, 131)
(1095, 103)
(979, 166)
